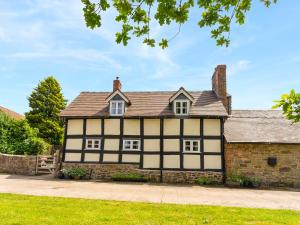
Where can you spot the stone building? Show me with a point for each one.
(178, 136)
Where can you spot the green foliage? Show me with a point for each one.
(75, 172)
(46, 102)
(290, 105)
(135, 16)
(206, 181)
(243, 180)
(128, 177)
(18, 138)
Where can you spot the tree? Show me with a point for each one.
(46, 102)
(290, 105)
(18, 138)
(135, 16)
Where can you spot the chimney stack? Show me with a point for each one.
(220, 88)
(117, 84)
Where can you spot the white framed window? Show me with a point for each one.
(181, 107)
(131, 145)
(191, 146)
(92, 144)
(116, 108)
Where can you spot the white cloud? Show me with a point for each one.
(238, 67)
(45, 30)
(89, 55)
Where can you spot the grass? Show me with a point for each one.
(24, 209)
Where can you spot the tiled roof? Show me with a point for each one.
(260, 126)
(151, 104)
(11, 113)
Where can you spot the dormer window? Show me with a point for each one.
(181, 107)
(181, 101)
(116, 108)
(117, 100)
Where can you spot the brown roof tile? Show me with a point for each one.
(151, 104)
(260, 126)
(11, 113)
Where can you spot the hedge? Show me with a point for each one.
(18, 138)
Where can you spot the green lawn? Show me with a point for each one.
(23, 209)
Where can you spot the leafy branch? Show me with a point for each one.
(290, 105)
(135, 16)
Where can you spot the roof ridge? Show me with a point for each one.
(274, 110)
(11, 113)
(143, 91)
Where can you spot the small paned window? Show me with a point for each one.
(92, 144)
(131, 145)
(191, 146)
(181, 107)
(117, 108)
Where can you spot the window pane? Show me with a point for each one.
(96, 146)
(195, 146)
(187, 146)
(184, 110)
(127, 144)
(135, 145)
(113, 105)
(184, 104)
(120, 111)
(113, 111)
(89, 143)
(120, 104)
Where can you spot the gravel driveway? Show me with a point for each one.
(143, 192)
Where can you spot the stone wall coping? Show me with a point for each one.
(20, 156)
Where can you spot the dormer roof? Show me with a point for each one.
(115, 93)
(183, 92)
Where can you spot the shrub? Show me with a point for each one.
(243, 180)
(76, 172)
(206, 181)
(17, 137)
(129, 177)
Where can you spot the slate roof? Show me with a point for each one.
(143, 104)
(11, 113)
(260, 126)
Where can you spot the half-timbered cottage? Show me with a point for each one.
(171, 136)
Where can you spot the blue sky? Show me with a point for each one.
(49, 37)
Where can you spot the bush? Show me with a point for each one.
(76, 172)
(17, 137)
(206, 181)
(129, 177)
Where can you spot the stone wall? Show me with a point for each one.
(251, 161)
(17, 164)
(190, 177)
(105, 172)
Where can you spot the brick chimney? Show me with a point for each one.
(219, 86)
(117, 84)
